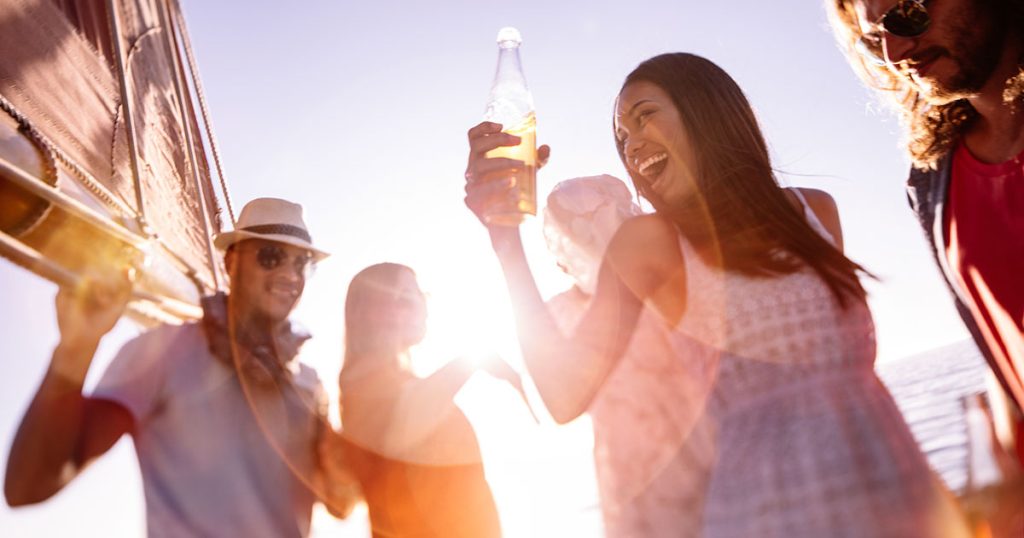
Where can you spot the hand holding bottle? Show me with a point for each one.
(510, 105)
(488, 182)
(497, 368)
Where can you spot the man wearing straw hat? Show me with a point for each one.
(229, 427)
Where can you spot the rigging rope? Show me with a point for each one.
(129, 116)
(122, 211)
(88, 181)
(187, 114)
(187, 41)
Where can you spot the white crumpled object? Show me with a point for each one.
(581, 216)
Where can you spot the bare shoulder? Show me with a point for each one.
(827, 211)
(644, 230)
(643, 239)
(644, 252)
(820, 201)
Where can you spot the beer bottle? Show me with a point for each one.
(994, 493)
(511, 104)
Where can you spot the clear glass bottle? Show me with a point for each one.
(993, 499)
(511, 104)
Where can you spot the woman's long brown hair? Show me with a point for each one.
(739, 211)
(370, 288)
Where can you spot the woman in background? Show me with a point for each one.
(413, 451)
(649, 442)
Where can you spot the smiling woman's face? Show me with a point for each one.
(407, 308)
(655, 144)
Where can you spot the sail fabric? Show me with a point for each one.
(58, 70)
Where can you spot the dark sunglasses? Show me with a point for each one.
(271, 257)
(908, 18)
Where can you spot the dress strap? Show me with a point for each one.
(811, 217)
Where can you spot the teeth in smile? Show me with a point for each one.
(285, 291)
(652, 160)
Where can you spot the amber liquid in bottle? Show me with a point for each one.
(511, 104)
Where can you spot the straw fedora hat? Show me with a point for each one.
(271, 219)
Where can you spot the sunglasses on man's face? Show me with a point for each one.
(271, 257)
(908, 18)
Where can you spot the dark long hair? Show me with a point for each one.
(739, 211)
(364, 334)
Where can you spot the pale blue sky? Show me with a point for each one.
(359, 111)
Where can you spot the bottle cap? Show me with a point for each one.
(509, 37)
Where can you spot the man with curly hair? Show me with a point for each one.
(953, 68)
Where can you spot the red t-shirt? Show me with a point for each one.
(985, 248)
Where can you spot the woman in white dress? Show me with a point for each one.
(751, 278)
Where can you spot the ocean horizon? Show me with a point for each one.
(928, 388)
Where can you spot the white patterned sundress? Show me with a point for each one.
(758, 415)
(808, 442)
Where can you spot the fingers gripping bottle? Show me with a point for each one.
(511, 105)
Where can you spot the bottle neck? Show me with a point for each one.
(510, 70)
(983, 465)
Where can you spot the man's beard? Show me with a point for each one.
(976, 52)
